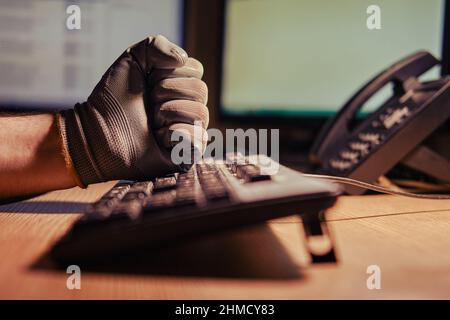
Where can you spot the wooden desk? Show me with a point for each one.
(408, 239)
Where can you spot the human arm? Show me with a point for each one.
(31, 159)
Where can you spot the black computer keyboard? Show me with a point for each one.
(212, 195)
(132, 199)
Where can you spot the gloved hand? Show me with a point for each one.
(123, 130)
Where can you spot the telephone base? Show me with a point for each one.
(428, 162)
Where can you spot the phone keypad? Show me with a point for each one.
(356, 150)
(373, 138)
(362, 147)
(366, 140)
(350, 155)
(340, 165)
(395, 117)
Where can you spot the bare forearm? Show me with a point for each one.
(31, 160)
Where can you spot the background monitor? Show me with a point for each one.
(45, 65)
(303, 59)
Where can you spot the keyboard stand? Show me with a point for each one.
(318, 240)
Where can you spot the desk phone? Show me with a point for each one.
(366, 148)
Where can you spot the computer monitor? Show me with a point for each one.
(302, 59)
(43, 64)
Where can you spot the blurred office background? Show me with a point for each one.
(287, 64)
(42, 63)
(294, 57)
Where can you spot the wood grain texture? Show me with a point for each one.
(407, 238)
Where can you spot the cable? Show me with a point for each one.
(365, 185)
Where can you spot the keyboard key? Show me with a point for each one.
(186, 180)
(144, 186)
(107, 202)
(121, 188)
(187, 176)
(160, 200)
(117, 192)
(186, 184)
(211, 182)
(215, 194)
(131, 210)
(97, 213)
(166, 183)
(205, 168)
(251, 173)
(102, 208)
(135, 196)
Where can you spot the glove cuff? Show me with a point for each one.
(59, 124)
(76, 150)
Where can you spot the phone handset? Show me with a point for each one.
(402, 74)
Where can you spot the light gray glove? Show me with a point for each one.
(123, 130)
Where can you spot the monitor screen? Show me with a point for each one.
(306, 58)
(44, 64)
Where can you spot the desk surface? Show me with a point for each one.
(408, 239)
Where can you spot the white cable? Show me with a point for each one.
(365, 185)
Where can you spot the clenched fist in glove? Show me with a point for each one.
(124, 129)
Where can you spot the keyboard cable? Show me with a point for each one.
(373, 187)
